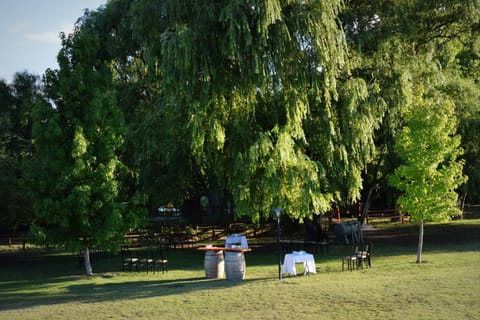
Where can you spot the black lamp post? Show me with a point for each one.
(277, 212)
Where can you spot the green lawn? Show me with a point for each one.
(43, 284)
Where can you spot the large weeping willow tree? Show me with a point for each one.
(251, 91)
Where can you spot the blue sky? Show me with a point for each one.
(29, 32)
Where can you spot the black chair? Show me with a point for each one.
(351, 260)
(128, 261)
(363, 255)
(145, 261)
(369, 254)
(159, 261)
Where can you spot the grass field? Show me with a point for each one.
(48, 284)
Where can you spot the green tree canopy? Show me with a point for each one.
(77, 179)
(247, 93)
(258, 100)
(430, 173)
(395, 43)
(16, 104)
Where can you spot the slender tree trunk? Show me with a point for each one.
(420, 243)
(368, 201)
(86, 259)
(464, 198)
(367, 204)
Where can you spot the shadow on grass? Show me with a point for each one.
(445, 237)
(50, 277)
(13, 297)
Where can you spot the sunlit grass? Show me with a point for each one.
(37, 285)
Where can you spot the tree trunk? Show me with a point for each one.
(368, 201)
(86, 259)
(464, 198)
(420, 243)
(367, 204)
(192, 210)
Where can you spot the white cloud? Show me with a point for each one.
(67, 27)
(50, 36)
(44, 37)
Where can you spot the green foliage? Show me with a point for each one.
(78, 182)
(16, 104)
(464, 88)
(431, 172)
(427, 144)
(250, 91)
(259, 101)
(397, 45)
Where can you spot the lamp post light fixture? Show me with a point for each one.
(277, 212)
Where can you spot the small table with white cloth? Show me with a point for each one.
(236, 240)
(299, 257)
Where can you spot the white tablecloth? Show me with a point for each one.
(236, 239)
(299, 257)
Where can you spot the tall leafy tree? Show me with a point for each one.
(386, 40)
(259, 99)
(16, 103)
(248, 93)
(78, 181)
(428, 144)
(431, 171)
(464, 88)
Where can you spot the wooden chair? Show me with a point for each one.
(363, 255)
(145, 262)
(369, 254)
(351, 260)
(128, 261)
(159, 262)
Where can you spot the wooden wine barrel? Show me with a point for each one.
(214, 264)
(235, 265)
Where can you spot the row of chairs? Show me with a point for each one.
(359, 256)
(150, 260)
(288, 246)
